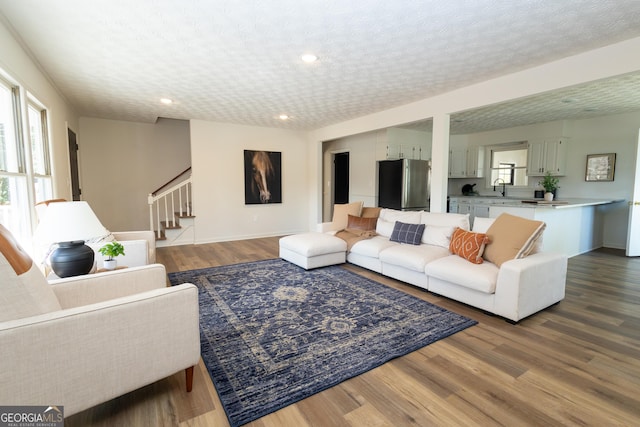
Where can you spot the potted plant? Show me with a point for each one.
(550, 185)
(111, 250)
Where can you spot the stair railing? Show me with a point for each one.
(162, 206)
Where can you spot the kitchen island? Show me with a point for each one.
(573, 225)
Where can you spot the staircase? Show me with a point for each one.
(170, 213)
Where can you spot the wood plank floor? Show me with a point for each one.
(577, 363)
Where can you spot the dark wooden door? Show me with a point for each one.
(73, 164)
(341, 178)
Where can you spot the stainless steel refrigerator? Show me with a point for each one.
(404, 184)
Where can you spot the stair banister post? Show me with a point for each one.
(150, 203)
(188, 197)
(173, 210)
(158, 217)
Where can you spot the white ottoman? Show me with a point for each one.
(312, 250)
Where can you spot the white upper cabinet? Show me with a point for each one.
(466, 162)
(548, 155)
(458, 162)
(475, 162)
(406, 144)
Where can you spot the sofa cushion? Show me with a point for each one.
(468, 245)
(481, 225)
(313, 244)
(370, 212)
(373, 246)
(407, 233)
(437, 235)
(361, 223)
(512, 237)
(388, 217)
(412, 257)
(480, 277)
(341, 214)
(445, 219)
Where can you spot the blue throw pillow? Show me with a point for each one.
(407, 233)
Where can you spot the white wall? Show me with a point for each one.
(122, 162)
(217, 151)
(364, 151)
(22, 70)
(362, 169)
(612, 134)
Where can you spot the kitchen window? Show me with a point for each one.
(508, 164)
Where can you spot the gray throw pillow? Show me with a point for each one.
(407, 233)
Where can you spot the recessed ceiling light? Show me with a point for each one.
(166, 101)
(568, 100)
(283, 117)
(309, 58)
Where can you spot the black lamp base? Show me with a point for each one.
(72, 259)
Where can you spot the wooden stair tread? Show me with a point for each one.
(168, 225)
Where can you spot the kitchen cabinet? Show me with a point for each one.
(458, 163)
(476, 207)
(475, 162)
(464, 208)
(547, 155)
(481, 211)
(466, 162)
(405, 151)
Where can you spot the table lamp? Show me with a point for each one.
(69, 225)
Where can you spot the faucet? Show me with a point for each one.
(504, 186)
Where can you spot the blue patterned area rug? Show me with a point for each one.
(273, 333)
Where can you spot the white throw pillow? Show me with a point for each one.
(445, 219)
(437, 235)
(481, 225)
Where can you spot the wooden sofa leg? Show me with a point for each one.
(189, 374)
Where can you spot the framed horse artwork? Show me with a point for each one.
(262, 177)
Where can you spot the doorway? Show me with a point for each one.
(341, 178)
(73, 165)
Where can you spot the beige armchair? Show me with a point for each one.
(83, 340)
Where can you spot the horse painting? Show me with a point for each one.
(262, 177)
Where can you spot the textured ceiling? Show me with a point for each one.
(615, 95)
(239, 61)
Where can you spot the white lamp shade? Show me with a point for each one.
(69, 221)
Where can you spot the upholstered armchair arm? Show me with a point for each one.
(147, 235)
(83, 356)
(530, 284)
(91, 288)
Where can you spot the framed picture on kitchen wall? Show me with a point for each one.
(262, 177)
(600, 167)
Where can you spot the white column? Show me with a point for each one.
(440, 162)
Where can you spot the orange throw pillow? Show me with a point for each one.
(468, 245)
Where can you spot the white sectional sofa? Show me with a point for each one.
(515, 290)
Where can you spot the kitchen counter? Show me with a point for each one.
(573, 225)
(533, 203)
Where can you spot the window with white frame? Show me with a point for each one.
(25, 165)
(508, 164)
